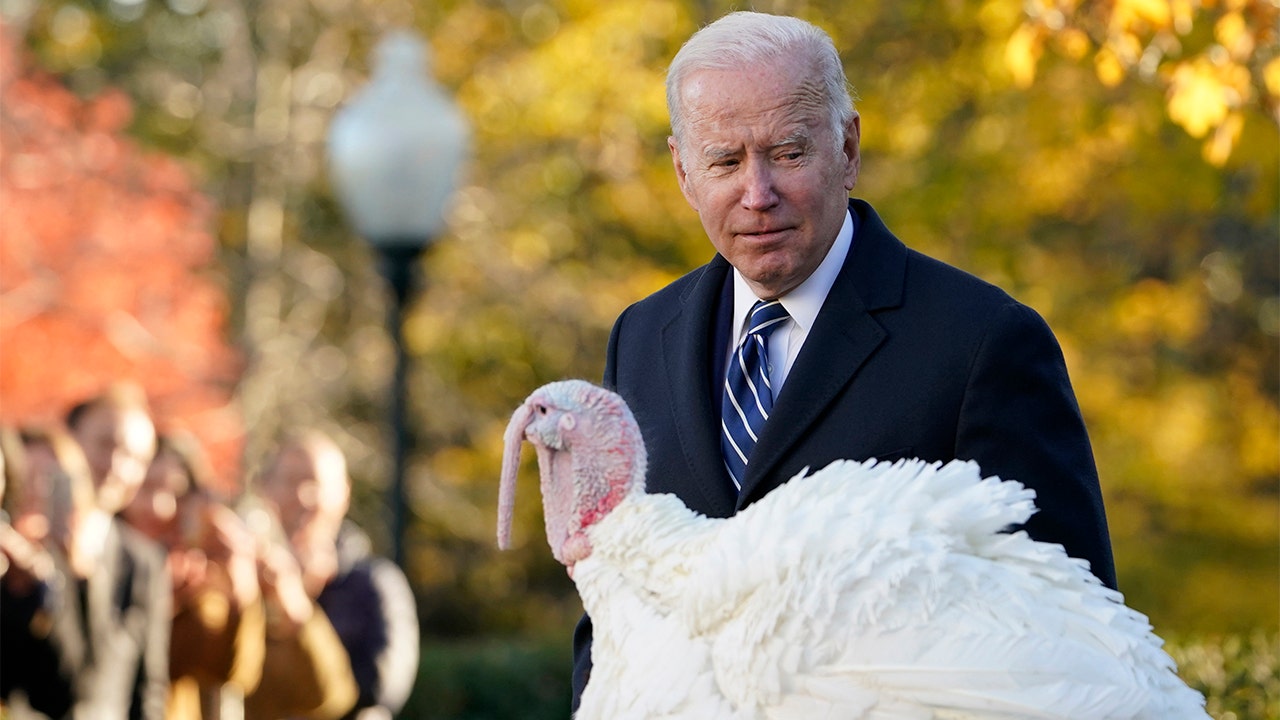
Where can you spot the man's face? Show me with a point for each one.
(291, 486)
(119, 444)
(759, 164)
(308, 493)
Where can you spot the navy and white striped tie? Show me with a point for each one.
(748, 396)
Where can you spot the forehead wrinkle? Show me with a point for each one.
(798, 112)
(809, 95)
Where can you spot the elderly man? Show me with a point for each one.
(814, 334)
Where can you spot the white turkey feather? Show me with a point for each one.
(862, 591)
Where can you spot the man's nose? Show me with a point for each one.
(759, 191)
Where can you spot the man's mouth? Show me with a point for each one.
(764, 235)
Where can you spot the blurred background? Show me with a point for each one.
(168, 217)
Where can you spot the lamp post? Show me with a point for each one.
(394, 152)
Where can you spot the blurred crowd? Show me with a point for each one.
(131, 588)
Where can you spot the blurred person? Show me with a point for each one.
(367, 598)
(305, 671)
(109, 613)
(118, 436)
(217, 640)
(32, 672)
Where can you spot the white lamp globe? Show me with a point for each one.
(395, 148)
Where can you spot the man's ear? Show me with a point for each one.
(682, 177)
(852, 151)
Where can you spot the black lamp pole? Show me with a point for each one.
(397, 263)
(394, 151)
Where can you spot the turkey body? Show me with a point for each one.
(862, 590)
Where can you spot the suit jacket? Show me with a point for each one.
(31, 663)
(373, 611)
(909, 357)
(111, 630)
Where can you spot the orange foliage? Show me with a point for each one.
(104, 253)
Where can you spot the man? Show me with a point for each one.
(106, 612)
(366, 598)
(124, 586)
(881, 352)
(118, 437)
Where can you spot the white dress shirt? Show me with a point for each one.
(802, 304)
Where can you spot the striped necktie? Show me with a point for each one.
(748, 397)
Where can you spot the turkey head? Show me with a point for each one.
(590, 457)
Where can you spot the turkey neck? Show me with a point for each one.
(587, 478)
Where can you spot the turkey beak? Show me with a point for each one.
(513, 440)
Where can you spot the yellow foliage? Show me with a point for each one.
(1154, 309)
(1183, 14)
(1185, 416)
(1233, 34)
(1126, 45)
(1074, 43)
(1208, 88)
(1271, 76)
(1108, 67)
(1154, 13)
(1055, 178)
(1099, 388)
(910, 134)
(1022, 52)
(1217, 149)
(604, 50)
(1259, 423)
(529, 250)
(1197, 97)
(997, 17)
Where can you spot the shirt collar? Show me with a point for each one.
(804, 302)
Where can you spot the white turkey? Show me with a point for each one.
(863, 590)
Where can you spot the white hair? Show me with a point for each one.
(744, 39)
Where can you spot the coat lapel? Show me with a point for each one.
(842, 338)
(689, 356)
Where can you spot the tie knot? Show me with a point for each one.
(766, 316)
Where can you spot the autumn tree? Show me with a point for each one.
(105, 266)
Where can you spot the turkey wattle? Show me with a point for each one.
(862, 590)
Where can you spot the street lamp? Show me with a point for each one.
(394, 152)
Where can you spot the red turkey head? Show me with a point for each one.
(590, 456)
